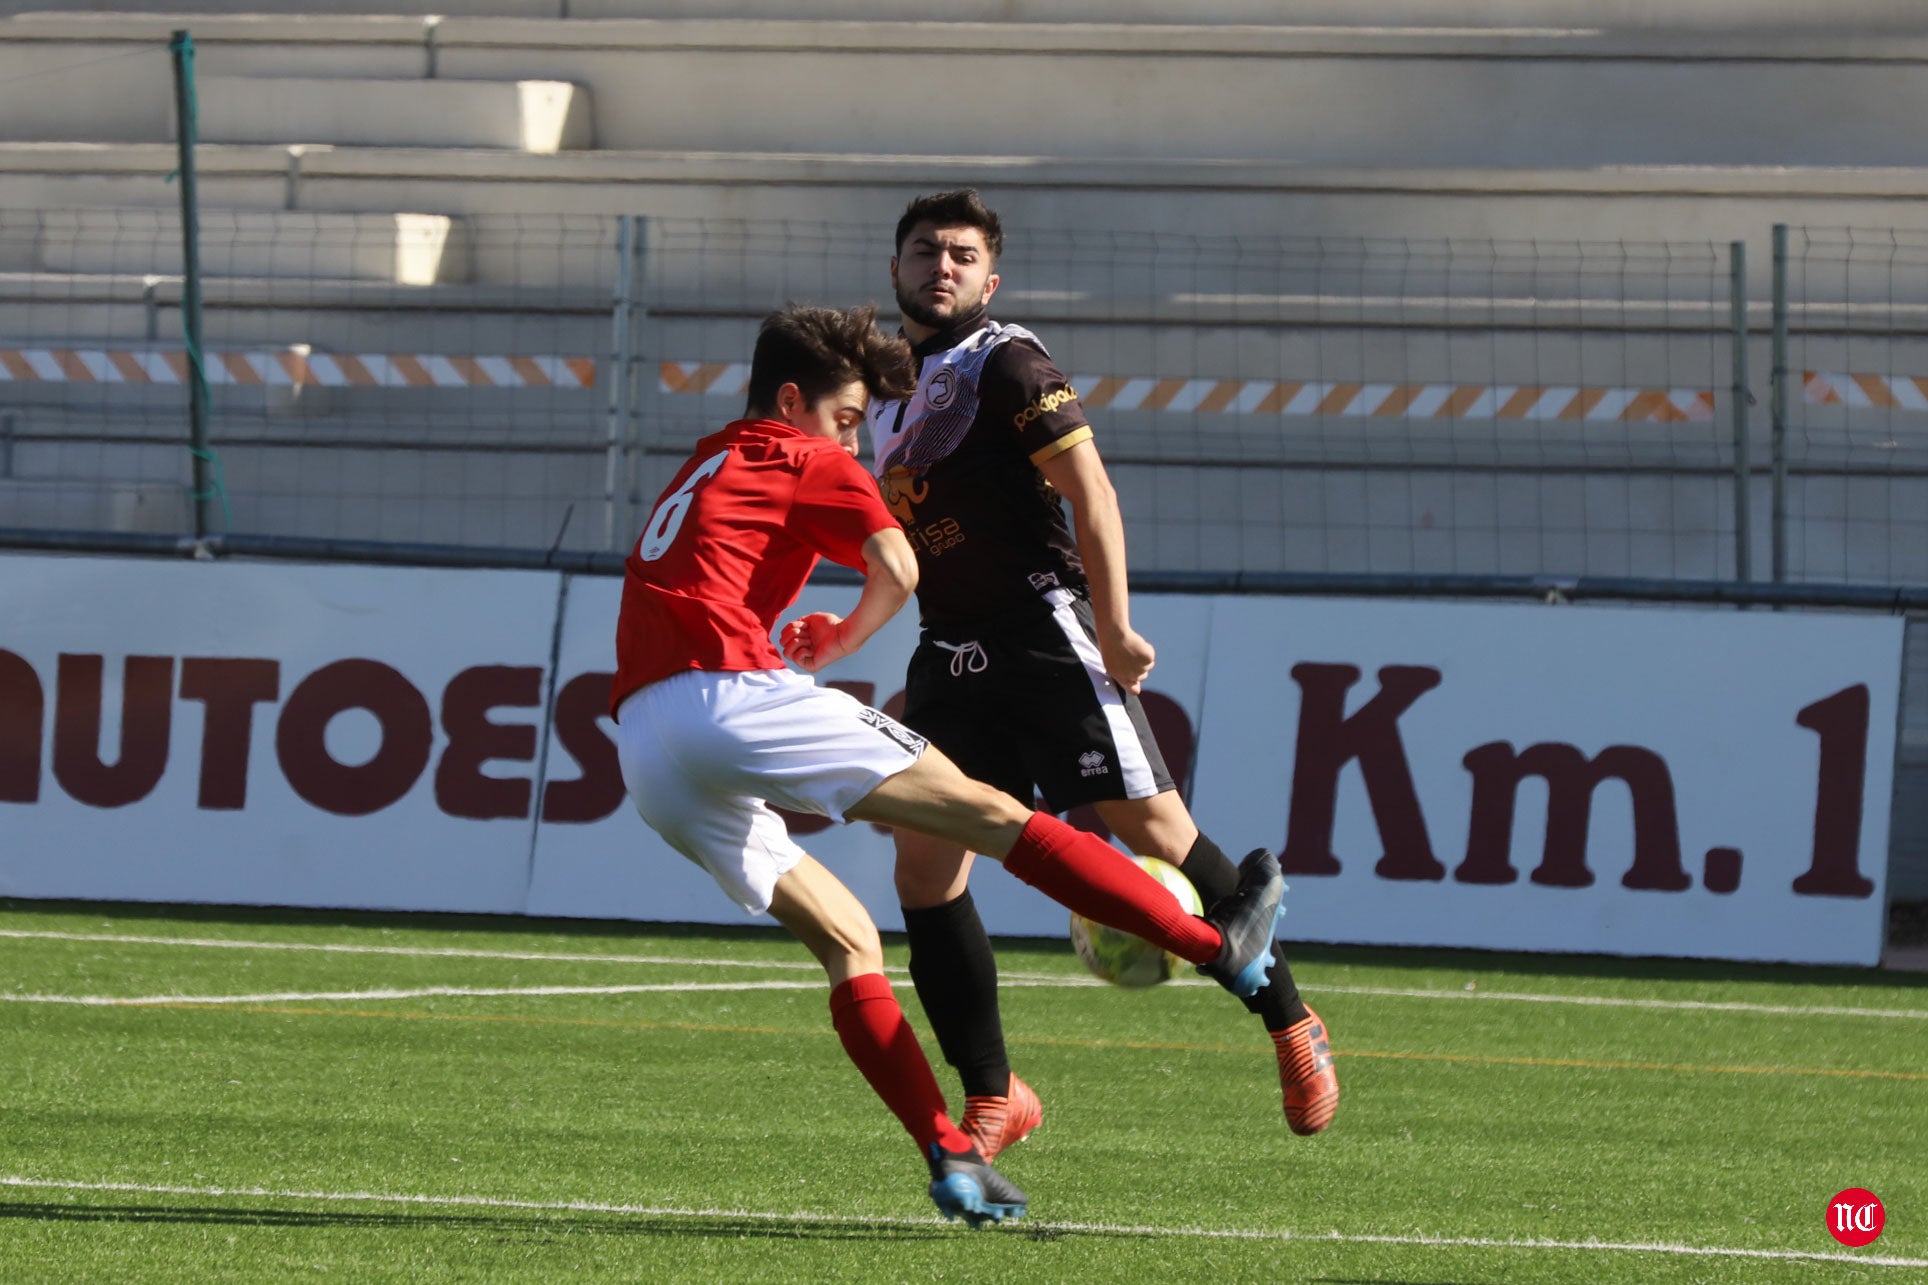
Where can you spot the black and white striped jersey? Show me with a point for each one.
(958, 465)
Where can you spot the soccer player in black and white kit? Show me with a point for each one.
(1027, 672)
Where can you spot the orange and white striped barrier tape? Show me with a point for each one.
(1396, 401)
(1878, 392)
(1290, 397)
(294, 368)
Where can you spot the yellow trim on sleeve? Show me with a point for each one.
(1063, 444)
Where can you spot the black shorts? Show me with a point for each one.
(1028, 708)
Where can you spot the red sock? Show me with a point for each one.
(885, 1049)
(1083, 872)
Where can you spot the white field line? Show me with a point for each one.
(398, 992)
(417, 952)
(430, 992)
(1012, 979)
(845, 1220)
(1612, 1001)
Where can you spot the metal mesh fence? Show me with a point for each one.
(1419, 406)
(1857, 405)
(1317, 404)
(383, 377)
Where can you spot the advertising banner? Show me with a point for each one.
(270, 733)
(1652, 782)
(1624, 781)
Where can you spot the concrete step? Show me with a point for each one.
(536, 116)
(394, 249)
(1313, 95)
(840, 207)
(267, 256)
(1611, 15)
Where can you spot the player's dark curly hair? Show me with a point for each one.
(821, 350)
(963, 208)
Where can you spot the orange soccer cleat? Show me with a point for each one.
(993, 1123)
(1305, 1073)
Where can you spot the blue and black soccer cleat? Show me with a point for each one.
(965, 1186)
(1248, 919)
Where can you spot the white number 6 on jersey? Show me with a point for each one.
(669, 515)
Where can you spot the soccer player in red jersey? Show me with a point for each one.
(713, 728)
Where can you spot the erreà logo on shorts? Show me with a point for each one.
(1044, 406)
(1092, 763)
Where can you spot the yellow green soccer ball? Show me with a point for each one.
(1116, 956)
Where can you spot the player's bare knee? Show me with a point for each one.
(921, 885)
(859, 949)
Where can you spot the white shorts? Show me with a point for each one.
(705, 754)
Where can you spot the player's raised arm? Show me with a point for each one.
(1079, 475)
(890, 577)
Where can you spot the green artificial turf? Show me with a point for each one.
(338, 1121)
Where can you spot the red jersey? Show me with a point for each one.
(731, 544)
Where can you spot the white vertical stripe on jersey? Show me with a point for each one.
(1140, 781)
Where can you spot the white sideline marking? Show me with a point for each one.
(422, 952)
(398, 992)
(1610, 1001)
(1012, 979)
(1203, 1233)
(427, 992)
(1026, 981)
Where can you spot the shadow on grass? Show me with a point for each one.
(509, 1225)
(1473, 963)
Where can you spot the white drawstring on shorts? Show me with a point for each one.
(966, 655)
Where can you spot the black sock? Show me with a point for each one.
(1214, 875)
(955, 973)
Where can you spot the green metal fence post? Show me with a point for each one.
(1777, 394)
(1737, 299)
(620, 390)
(182, 47)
